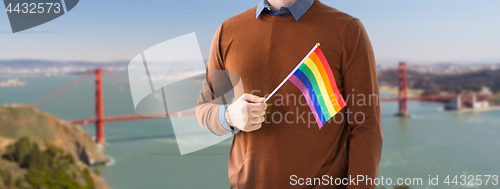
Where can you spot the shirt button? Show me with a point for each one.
(268, 8)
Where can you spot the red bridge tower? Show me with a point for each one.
(99, 107)
(402, 89)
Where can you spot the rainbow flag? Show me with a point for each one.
(314, 78)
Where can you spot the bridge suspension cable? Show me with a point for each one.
(62, 89)
(144, 86)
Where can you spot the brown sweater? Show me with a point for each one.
(263, 52)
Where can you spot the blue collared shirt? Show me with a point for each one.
(297, 10)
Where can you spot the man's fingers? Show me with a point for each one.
(252, 98)
(257, 120)
(257, 113)
(257, 107)
(247, 113)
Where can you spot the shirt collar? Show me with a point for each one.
(298, 9)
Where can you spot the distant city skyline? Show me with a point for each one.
(456, 31)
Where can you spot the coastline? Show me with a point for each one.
(492, 108)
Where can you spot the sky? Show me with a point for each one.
(425, 31)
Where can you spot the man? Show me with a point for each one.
(263, 45)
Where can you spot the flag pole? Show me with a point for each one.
(291, 73)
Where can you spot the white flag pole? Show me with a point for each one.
(291, 73)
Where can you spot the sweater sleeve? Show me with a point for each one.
(359, 76)
(211, 97)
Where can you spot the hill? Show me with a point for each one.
(38, 149)
(452, 83)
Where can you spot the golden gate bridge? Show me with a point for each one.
(100, 119)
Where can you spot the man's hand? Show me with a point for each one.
(246, 113)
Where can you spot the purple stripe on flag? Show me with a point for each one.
(295, 80)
